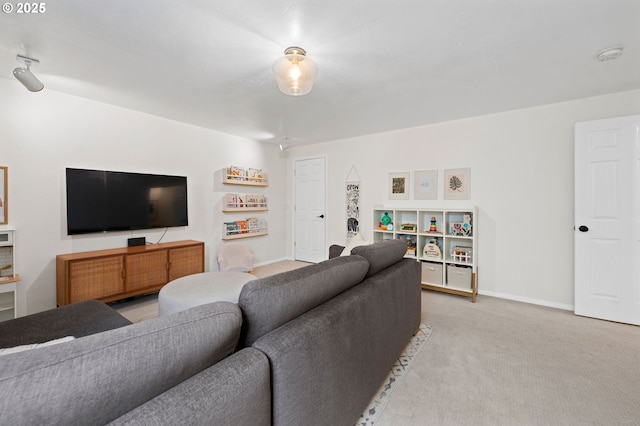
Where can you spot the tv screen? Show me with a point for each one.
(103, 201)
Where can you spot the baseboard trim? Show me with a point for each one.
(269, 262)
(527, 300)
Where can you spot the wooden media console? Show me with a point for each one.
(114, 274)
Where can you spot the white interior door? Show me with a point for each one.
(310, 214)
(607, 197)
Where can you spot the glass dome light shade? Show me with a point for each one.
(295, 73)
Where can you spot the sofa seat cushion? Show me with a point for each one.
(269, 302)
(97, 378)
(381, 255)
(78, 319)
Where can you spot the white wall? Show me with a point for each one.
(521, 180)
(43, 133)
(521, 170)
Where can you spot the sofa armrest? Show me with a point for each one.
(335, 250)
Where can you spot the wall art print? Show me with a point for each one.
(399, 186)
(425, 185)
(353, 208)
(457, 184)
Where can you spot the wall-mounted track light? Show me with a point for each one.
(26, 77)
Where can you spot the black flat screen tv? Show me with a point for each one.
(104, 201)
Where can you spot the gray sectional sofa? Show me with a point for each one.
(309, 346)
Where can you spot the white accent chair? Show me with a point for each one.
(235, 257)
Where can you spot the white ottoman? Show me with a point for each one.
(199, 289)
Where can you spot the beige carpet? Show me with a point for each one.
(498, 362)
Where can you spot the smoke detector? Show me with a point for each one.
(610, 54)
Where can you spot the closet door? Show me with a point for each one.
(310, 210)
(607, 219)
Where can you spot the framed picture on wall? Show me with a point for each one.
(457, 184)
(399, 186)
(3, 195)
(425, 185)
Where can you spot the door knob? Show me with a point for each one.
(321, 216)
(583, 228)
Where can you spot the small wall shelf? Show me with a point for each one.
(247, 228)
(244, 209)
(234, 175)
(245, 203)
(239, 236)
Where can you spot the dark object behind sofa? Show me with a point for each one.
(78, 319)
(98, 378)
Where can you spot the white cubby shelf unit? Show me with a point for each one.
(443, 240)
(8, 277)
(240, 202)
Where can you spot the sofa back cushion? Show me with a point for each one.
(269, 302)
(97, 378)
(381, 255)
(328, 363)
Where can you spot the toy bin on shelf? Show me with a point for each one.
(432, 273)
(459, 277)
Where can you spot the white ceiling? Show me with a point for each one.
(383, 64)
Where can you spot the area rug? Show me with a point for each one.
(401, 366)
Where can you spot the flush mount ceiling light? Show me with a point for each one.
(26, 77)
(295, 72)
(610, 53)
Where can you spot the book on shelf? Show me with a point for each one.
(234, 200)
(235, 228)
(255, 175)
(236, 173)
(255, 224)
(256, 200)
(231, 228)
